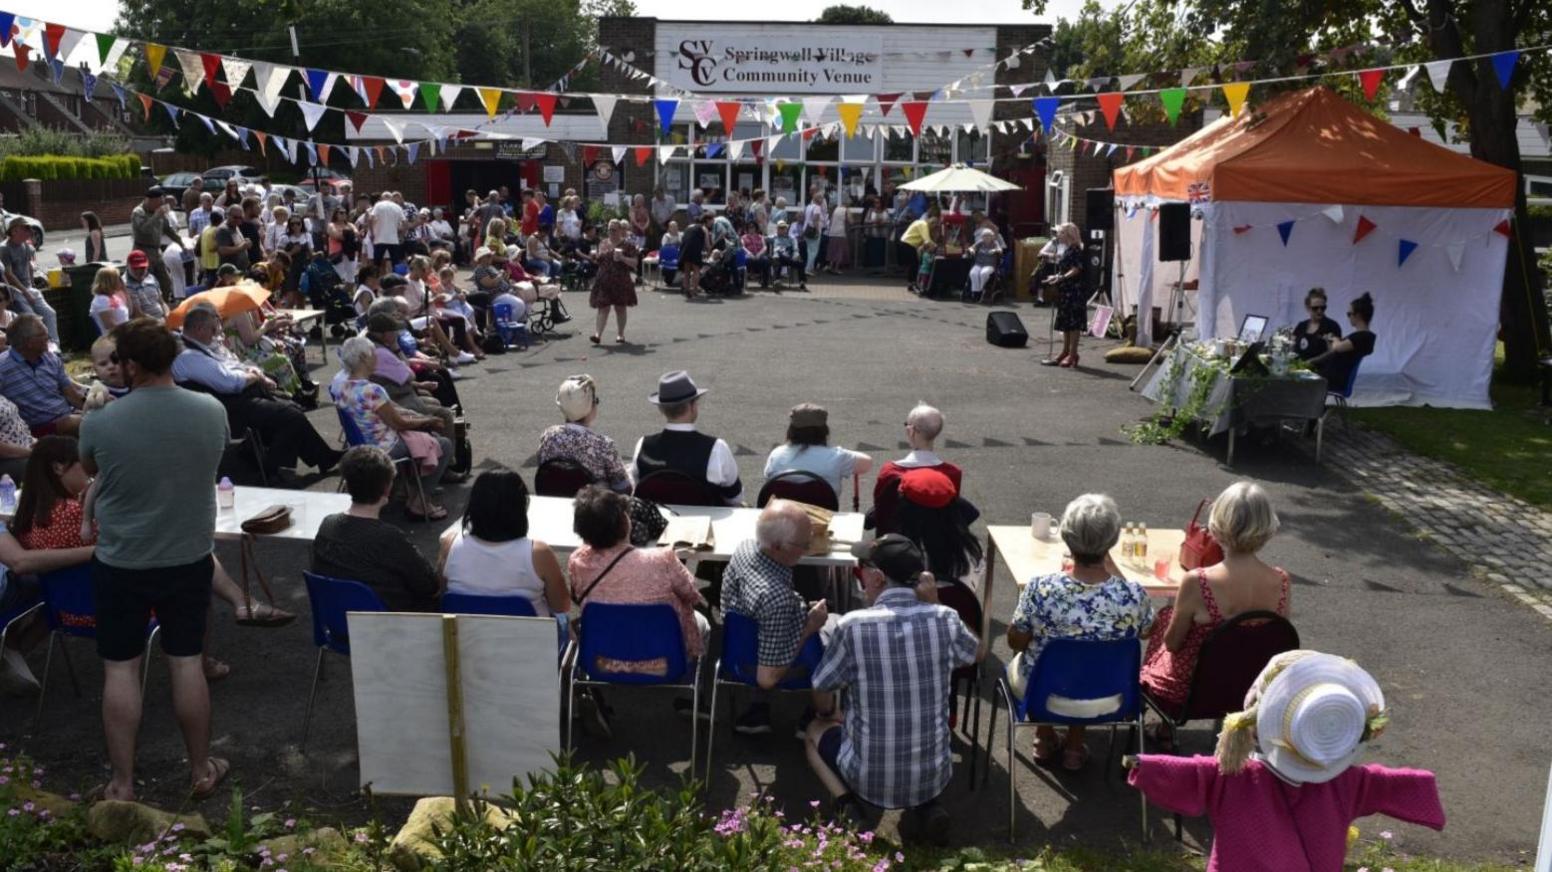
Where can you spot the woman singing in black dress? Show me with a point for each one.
(1341, 356)
(1311, 335)
(1071, 305)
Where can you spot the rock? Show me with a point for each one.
(130, 822)
(57, 805)
(413, 846)
(326, 842)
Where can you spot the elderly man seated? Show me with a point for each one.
(358, 545)
(34, 378)
(207, 365)
(896, 657)
(922, 427)
(758, 585)
(680, 448)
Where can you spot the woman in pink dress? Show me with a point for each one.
(1242, 520)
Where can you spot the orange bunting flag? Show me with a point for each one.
(1110, 105)
(323, 154)
(1371, 79)
(491, 97)
(1242, 229)
(22, 50)
(262, 137)
(643, 154)
(1235, 93)
(145, 104)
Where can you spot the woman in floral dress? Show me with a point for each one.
(615, 285)
(1091, 601)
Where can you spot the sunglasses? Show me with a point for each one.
(1317, 308)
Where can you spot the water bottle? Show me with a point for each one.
(226, 493)
(7, 494)
(1142, 544)
(1128, 542)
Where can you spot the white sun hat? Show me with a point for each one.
(1310, 714)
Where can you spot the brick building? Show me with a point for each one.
(31, 99)
(1072, 172)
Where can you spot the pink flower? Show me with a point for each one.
(1387, 835)
(177, 828)
(290, 823)
(5, 779)
(361, 838)
(308, 852)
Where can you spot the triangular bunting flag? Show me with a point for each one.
(1045, 108)
(728, 110)
(56, 68)
(372, 155)
(643, 153)
(664, 152)
(210, 125)
(713, 149)
(813, 109)
(1438, 74)
(412, 151)
(1130, 150)
(406, 90)
(312, 153)
(145, 105)
(154, 55)
(229, 130)
(193, 68)
(589, 155)
(351, 154)
(236, 70)
(395, 129)
(1502, 228)
(1125, 83)
(735, 149)
(1370, 80)
(263, 139)
(789, 116)
(8, 21)
(121, 94)
(311, 112)
(886, 102)
(1018, 90)
(980, 113)
(665, 113)
(1242, 229)
(1188, 75)
(1404, 249)
(1334, 213)
(915, 111)
(1456, 250)
(525, 101)
(449, 95)
(356, 119)
(1364, 228)
(268, 80)
(618, 153)
(430, 94)
(1110, 105)
(67, 43)
(490, 98)
(1285, 230)
(51, 34)
(172, 113)
(705, 111)
(603, 104)
(1173, 99)
(372, 86)
(88, 84)
(1235, 93)
(1503, 65)
(210, 63)
(545, 100)
(221, 91)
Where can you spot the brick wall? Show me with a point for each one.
(631, 122)
(1087, 170)
(59, 204)
(406, 178)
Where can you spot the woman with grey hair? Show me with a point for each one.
(1071, 302)
(394, 429)
(1242, 520)
(1089, 601)
(576, 439)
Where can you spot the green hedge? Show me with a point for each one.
(52, 167)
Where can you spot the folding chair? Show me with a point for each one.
(561, 477)
(21, 611)
(354, 436)
(1336, 401)
(1076, 682)
(673, 488)
(71, 609)
(799, 485)
(739, 664)
(633, 634)
(331, 599)
(511, 330)
(1231, 658)
(963, 600)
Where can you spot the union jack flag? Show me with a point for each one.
(1199, 192)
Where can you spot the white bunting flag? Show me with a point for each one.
(229, 130)
(1438, 73)
(664, 152)
(328, 86)
(291, 150)
(1127, 81)
(603, 104)
(395, 128)
(1050, 80)
(1334, 213)
(406, 91)
(67, 43)
(268, 80)
(193, 69)
(532, 142)
(1545, 132)
(813, 108)
(351, 153)
(1188, 75)
(311, 112)
(449, 94)
(1456, 250)
(236, 70)
(735, 149)
(981, 112)
(618, 153)
(1018, 90)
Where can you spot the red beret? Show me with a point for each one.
(927, 487)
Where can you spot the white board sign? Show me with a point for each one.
(510, 692)
(704, 57)
(554, 173)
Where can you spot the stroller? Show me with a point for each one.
(322, 286)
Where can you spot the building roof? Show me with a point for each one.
(1313, 146)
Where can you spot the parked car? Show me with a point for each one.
(176, 183)
(215, 177)
(334, 182)
(35, 224)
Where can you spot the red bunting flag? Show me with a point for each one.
(374, 88)
(729, 112)
(526, 101)
(1365, 227)
(886, 102)
(356, 119)
(589, 155)
(212, 64)
(323, 155)
(1129, 151)
(1242, 229)
(262, 137)
(757, 146)
(643, 153)
(915, 112)
(545, 101)
(809, 134)
(221, 91)
(1502, 228)
(52, 34)
(1110, 104)
(22, 50)
(145, 99)
(1371, 79)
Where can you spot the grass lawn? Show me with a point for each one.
(1508, 448)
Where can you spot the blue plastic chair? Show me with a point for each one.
(354, 437)
(739, 664)
(633, 633)
(476, 604)
(740, 268)
(667, 259)
(511, 330)
(69, 604)
(1076, 682)
(331, 600)
(1336, 400)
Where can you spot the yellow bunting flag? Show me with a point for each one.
(153, 57)
(1235, 93)
(850, 113)
(491, 97)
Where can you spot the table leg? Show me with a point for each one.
(986, 592)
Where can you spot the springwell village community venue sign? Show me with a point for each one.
(801, 63)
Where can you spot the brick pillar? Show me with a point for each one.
(34, 204)
(632, 122)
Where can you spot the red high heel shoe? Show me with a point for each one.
(1060, 360)
(1070, 362)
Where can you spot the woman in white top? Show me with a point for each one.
(838, 250)
(110, 306)
(808, 431)
(815, 216)
(490, 554)
(568, 224)
(275, 230)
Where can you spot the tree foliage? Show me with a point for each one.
(844, 14)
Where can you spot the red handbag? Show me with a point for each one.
(1200, 548)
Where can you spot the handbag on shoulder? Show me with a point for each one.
(1199, 548)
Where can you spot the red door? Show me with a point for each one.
(439, 182)
(1026, 208)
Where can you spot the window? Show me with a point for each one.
(787, 148)
(675, 179)
(711, 177)
(899, 148)
(973, 148)
(787, 183)
(936, 151)
(823, 149)
(857, 183)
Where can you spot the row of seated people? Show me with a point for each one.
(716, 254)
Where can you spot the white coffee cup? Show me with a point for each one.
(1040, 525)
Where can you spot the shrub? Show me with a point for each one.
(49, 167)
(37, 141)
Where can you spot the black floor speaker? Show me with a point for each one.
(1005, 330)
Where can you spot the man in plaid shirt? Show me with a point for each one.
(896, 656)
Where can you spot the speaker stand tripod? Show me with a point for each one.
(1177, 304)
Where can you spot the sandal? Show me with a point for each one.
(206, 787)
(1073, 761)
(215, 670)
(437, 513)
(1046, 752)
(261, 615)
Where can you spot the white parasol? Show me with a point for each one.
(959, 178)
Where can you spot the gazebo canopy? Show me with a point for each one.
(1313, 146)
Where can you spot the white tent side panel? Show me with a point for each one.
(1435, 324)
(1139, 281)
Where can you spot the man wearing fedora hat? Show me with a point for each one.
(891, 749)
(18, 259)
(149, 224)
(680, 447)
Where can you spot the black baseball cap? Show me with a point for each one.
(894, 555)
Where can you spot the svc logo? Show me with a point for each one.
(695, 58)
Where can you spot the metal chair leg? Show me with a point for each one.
(976, 729)
(420, 488)
(695, 713)
(307, 719)
(711, 732)
(991, 736)
(1012, 771)
(48, 661)
(1140, 737)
